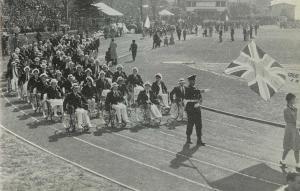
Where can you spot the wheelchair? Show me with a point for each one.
(142, 115)
(50, 111)
(111, 119)
(164, 110)
(70, 120)
(36, 101)
(175, 112)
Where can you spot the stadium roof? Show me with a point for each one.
(107, 9)
(165, 12)
(290, 2)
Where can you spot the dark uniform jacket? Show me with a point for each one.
(192, 94)
(135, 80)
(75, 100)
(143, 98)
(68, 86)
(113, 99)
(156, 88)
(119, 74)
(102, 85)
(54, 93)
(34, 83)
(109, 74)
(24, 77)
(80, 77)
(178, 93)
(89, 92)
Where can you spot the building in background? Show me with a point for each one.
(286, 8)
(207, 9)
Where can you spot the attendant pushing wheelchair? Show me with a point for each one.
(177, 99)
(148, 102)
(77, 104)
(134, 84)
(90, 94)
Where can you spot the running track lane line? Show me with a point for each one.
(66, 160)
(159, 148)
(107, 150)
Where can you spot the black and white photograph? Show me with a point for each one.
(150, 95)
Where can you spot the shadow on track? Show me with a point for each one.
(236, 181)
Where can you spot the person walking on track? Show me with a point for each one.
(291, 139)
(133, 49)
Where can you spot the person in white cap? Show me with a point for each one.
(76, 100)
(148, 101)
(108, 73)
(115, 100)
(54, 96)
(119, 73)
(160, 90)
(90, 93)
(177, 97)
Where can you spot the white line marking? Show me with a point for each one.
(147, 165)
(120, 155)
(153, 146)
(200, 161)
(66, 160)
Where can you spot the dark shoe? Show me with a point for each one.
(188, 141)
(200, 143)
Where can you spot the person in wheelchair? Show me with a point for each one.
(179, 93)
(119, 73)
(77, 101)
(115, 100)
(90, 94)
(54, 97)
(148, 101)
(160, 90)
(33, 83)
(134, 84)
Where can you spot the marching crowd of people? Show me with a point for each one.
(63, 75)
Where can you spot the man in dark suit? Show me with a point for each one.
(133, 48)
(193, 99)
(179, 93)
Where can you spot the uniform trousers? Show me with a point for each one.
(194, 119)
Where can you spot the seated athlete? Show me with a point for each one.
(54, 96)
(148, 101)
(115, 100)
(77, 101)
(160, 90)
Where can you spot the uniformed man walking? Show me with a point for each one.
(133, 49)
(193, 99)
